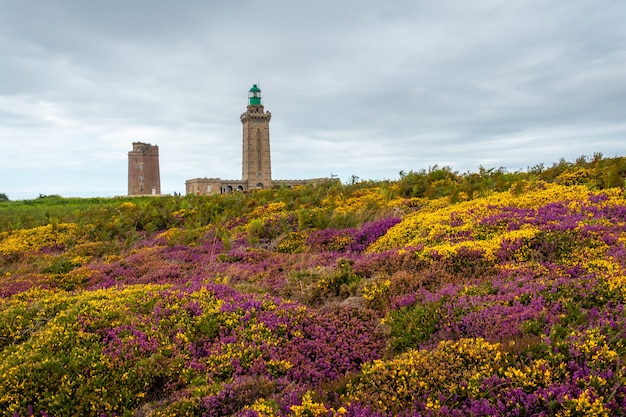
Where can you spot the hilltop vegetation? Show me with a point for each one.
(440, 294)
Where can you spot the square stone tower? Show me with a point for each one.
(144, 177)
(256, 163)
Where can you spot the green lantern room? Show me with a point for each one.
(254, 96)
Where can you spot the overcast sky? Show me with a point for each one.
(364, 88)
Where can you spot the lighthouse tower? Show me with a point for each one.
(256, 164)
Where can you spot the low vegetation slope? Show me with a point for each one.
(440, 294)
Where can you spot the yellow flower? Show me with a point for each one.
(36, 238)
(309, 408)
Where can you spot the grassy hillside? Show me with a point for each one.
(440, 294)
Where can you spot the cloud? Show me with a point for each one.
(355, 88)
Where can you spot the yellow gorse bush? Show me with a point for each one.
(457, 366)
(539, 373)
(293, 242)
(41, 333)
(264, 408)
(127, 205)
(376, 289)
(583, 406)
(170, 234)
(34, 239)
(445, 228)
(579, 176)
(309, 408)
(271, 208)
(358, 201)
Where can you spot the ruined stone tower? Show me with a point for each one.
(143, 170)
(256, 169)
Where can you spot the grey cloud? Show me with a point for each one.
(363, 88)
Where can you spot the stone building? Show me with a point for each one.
(144, 177)
(256, 158)
(256, 163)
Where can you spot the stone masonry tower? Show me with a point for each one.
(257, 169)
(143, 170)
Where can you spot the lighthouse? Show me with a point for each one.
(256, 163)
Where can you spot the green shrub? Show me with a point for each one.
(412, 325)
(342, 282)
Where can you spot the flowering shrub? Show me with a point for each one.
(340, 282)
(480, 223)
(370, 198)
(35, 239)
(329, 240)
(309, 408)
(293, 242)
(377, 294)
(440, 298)
(147, 341)
(351, 239)
(452, 369)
